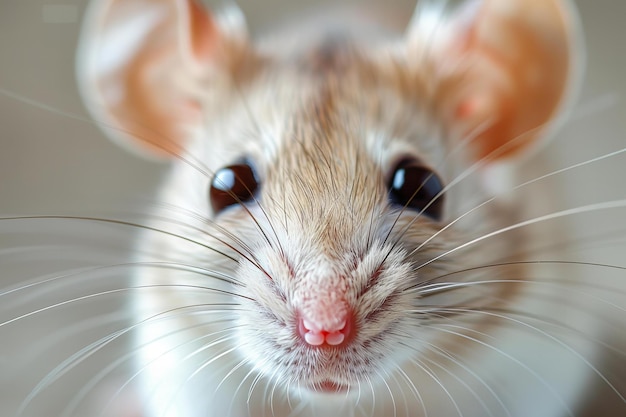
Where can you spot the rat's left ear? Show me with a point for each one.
(503, 70)
(143, 63)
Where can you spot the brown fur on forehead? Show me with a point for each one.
(340, 57)
(323, 156)
(333, 54)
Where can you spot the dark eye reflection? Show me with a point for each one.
(233, 184)
(416, 187)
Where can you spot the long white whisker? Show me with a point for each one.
(188, 159)
(81, 272)
(555, 340)
(251, 371)
(253, 385)
(432, 375)
(516, 361)
(391, 396)
(607, 205)
(111, 292)
(432, 283)
(205, 364)
(414, 389)
(90, 350)
(119, 361)
(450, 357)
(436, 288)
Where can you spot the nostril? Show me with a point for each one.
(314, 339)
(315, 334)
(335, 338)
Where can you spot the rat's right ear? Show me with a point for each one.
(141, 64)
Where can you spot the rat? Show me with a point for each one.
(342, 228)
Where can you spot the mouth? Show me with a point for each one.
(329, 387)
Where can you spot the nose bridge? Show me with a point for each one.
(321, 193)
(324, 181)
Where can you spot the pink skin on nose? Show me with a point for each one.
(315, 335)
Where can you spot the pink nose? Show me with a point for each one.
(318, 335)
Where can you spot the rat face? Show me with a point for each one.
(320, 209)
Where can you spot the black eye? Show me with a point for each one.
(234, 184)
(415, 186)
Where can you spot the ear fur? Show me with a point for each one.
(505, 69)
(141, 64)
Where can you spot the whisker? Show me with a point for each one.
(517, 362)
(205, 221)
(457, 362)
(163, 354)
(413, 389)
(606, 205)
(81, 395)
(184, 157)
(206, 363)
(561, 326)
(240, 386)
(254, 384)
(115, 222)
(81, 273)
(431, 286)
(231, 372)
(145, 227)
(118, 291)
(429, 372)
(272, 394)
(248, 256)
(447, 313)
(552, 338)
(391, 396)
(89, 350)
(460, 381)
(373, 391)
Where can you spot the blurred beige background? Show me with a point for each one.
(54, 161)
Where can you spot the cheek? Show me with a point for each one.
(423, 239)
(259, 276)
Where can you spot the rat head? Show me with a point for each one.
(335, 179)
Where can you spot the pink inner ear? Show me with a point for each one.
(155, 106)
(143, 62)
(202, 33)
(515, 63)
